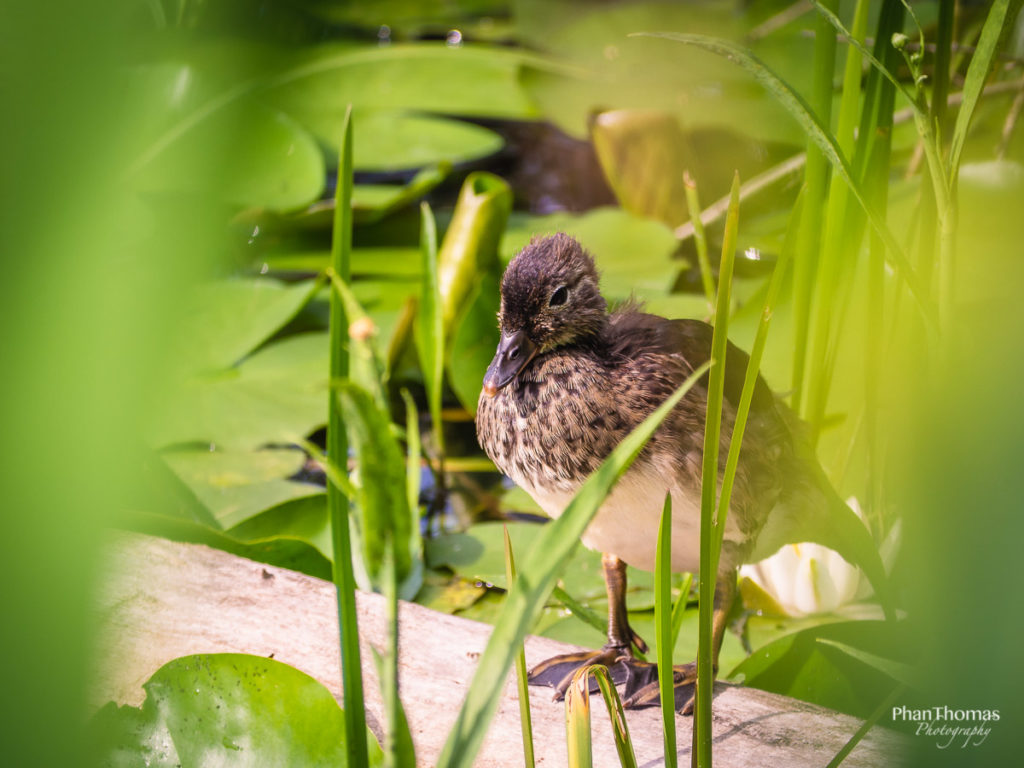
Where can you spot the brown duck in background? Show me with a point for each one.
(570, 380)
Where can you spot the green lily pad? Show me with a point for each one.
(304, 518)
(394, 141)
(227, 709)
(227, 319)
(479, 554)
(285, 551)
(846, 666)
(429, 77)
(261, 156)
(278, 395)
(607, 69)
(236, 486)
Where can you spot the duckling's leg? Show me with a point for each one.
(617, 653)
(685, 675)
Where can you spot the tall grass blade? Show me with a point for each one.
(709, 515)
(577, 718)
(663, 623)
(429, 325)
(413, 467)
(812, 127)
(679, 609)
(552, 548)
(836, 251)
(810, 256)
(866, 726)
(398, 747)
(577, 721)
(382, 500)
(749, 381)
(580, 610)
(525, 723)
(699, 238)
(337, 451)
(977, 73)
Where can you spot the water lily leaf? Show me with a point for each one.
(278, 395)
(612, 71)
(428, 77)
(227, 319)
(264, 157)
(616, 239)
(226, 709)
(479, 555)
(284, 551)
(304, 518)
(234, 486)
(816, 664)
(393, 141)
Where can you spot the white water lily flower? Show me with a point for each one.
(808, 578)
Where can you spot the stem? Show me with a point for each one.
(337, 452)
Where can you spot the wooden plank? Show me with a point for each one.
(161, 599)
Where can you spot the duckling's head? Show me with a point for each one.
(549, 298)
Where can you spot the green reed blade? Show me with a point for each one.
(429, 325)
(823, 139)
(663, 623)
(522, 685)
(337, 451)
(711, 516)
(699, 238)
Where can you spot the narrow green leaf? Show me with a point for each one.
(522, 685)
(577, 717)
(381, 503)
(810, 124)
(580, 610)
(867, 725)
(337, 451)
(413, 456)
(712, 516)
(620, 731)
(663, 622)
(470, 246)
(679, 609)
(553, 546)
(398, 747)
(974, 82)
(577, 721)
(429, 327)
(699, 237)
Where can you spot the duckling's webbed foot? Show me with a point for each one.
(617, 653)
(623, 668)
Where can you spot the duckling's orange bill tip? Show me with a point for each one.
(490, 389)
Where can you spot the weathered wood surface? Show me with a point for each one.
(161, 599)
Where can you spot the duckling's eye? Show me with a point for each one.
(559, 297)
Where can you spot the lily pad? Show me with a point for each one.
(259, 156)
(607, 69)
(225, 320)
(846, 666)
(479, 554)
(279, 395)
(304, 518)
(227, 709)
(235, 486)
